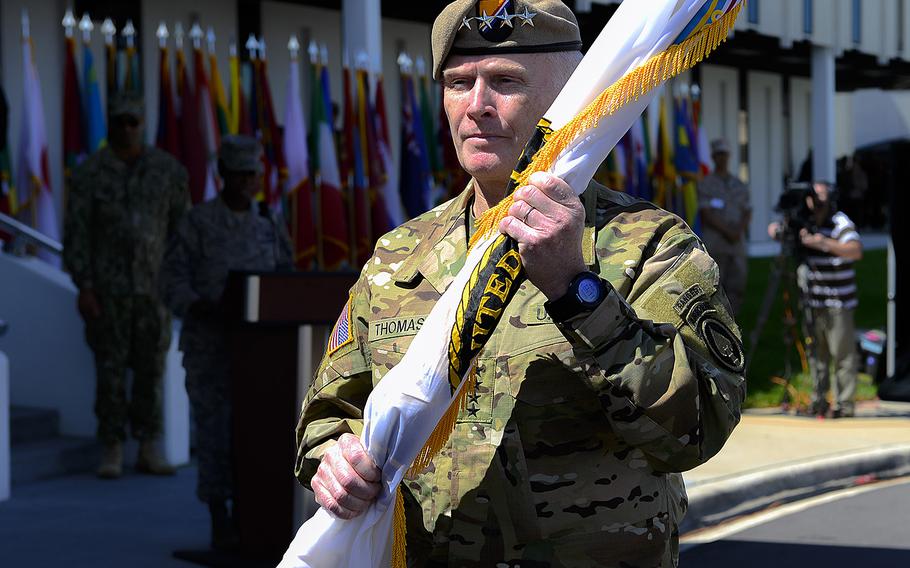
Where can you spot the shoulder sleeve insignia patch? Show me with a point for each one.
(342, 333)
(723, 344)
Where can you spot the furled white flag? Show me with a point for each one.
(411, 411)
(34, 181)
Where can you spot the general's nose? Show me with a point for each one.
(482, 99)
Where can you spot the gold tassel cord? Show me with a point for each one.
(399, 551)
(661, 67)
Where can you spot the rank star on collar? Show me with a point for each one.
(527, 18)
(465, 23)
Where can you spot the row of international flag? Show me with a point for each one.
(663, 155)
(336, 188)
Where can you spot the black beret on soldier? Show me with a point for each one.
(489, 27)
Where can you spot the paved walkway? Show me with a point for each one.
(137, 521)
(84, 522)
(771, 439)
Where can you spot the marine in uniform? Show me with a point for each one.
(615, 366)
(123, 202)
(723, 202)
(229, 232)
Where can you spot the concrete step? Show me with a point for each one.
(53, 457)
(28, 424)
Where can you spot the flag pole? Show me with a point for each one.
(315, 197)
(349, 182)
(313, 52)
(363, 63)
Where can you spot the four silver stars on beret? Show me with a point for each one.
(486, 22)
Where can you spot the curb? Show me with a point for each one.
(714, 502)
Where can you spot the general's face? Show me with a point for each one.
(493, 104)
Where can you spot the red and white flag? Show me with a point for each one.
(33, 179)
(297, 158)
(208, 123)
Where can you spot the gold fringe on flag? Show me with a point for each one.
(661, 67)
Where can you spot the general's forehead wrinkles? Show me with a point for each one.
(485, 67)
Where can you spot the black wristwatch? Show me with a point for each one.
(586, 292)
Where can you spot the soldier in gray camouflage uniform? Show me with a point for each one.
(123, 202)
(615, 367)
(228, 232)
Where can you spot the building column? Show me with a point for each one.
(823, 159)
(362, 28)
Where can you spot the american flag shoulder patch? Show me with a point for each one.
(342, 334)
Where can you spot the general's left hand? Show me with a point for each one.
(812, 240)
(548, 221)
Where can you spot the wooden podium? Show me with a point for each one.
(278, 326)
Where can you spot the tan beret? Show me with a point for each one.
(240, 153)
(485, 27)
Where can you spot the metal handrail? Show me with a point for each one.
(23, 232)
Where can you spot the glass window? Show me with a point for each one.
(807, 17)
(753, 11)
(900, 26)
(857, 21)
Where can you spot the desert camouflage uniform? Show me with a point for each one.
(728, 198)
(117, 221)
(211, 241)
(567, 453)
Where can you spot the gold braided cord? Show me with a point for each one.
(399, 550)
(641, 80)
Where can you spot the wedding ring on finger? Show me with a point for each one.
(528, 214)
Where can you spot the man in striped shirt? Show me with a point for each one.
(828, 283)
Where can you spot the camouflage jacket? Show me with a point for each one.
(211, 241)
(568, 451)
(118, 218)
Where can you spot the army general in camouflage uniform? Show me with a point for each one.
(228, 232)
(123, 202)
(615, 366)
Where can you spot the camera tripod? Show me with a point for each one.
(783, 278)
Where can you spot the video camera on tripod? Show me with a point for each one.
(793, 206)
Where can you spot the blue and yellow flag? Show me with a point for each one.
(95, 131)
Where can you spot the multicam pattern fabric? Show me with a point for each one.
(568, 450)
(118, 218)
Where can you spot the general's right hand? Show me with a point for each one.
(347, 481)
(88, 305)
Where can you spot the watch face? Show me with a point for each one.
(589, 290)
